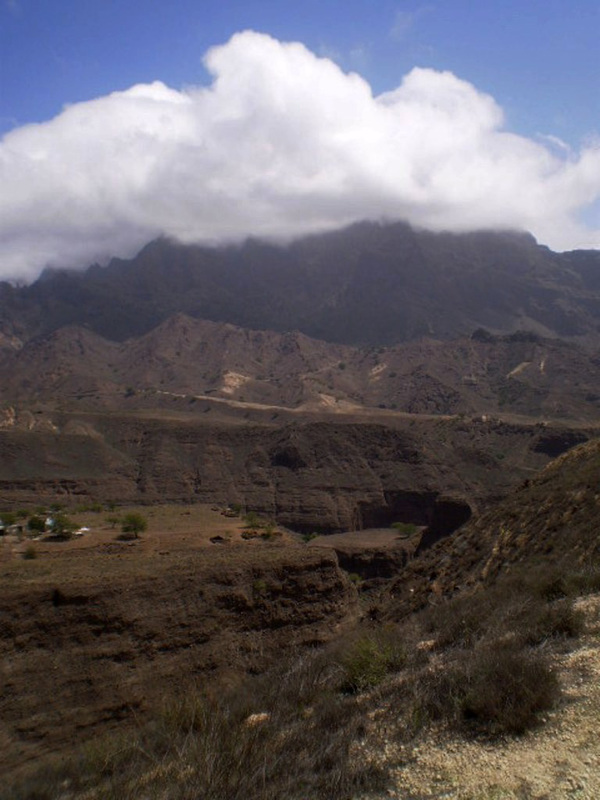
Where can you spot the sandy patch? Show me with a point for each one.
(232, 381)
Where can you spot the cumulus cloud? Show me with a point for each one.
(281, 143)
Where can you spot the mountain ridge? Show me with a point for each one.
(370, 283)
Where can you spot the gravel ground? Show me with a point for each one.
(559, 760)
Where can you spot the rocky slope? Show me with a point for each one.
(186, 360)
(548, 519)
(313, 474)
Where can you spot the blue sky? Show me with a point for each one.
(195, 119)
(540, 59)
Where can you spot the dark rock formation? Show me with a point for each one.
(370, 283)
(554, 443)
(449, 513)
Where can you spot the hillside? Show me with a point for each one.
(317, 472)
(401, 393)
(549, 520)
(94, 637)
(489, 691)
(186, 361)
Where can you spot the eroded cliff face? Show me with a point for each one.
(322, 476)
(549, 522)
(80, 654)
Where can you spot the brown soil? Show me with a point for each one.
(172, 530)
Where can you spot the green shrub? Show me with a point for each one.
(492, 690)
(259, 586)
(405, 528)
(269, 530)
(531, 607)
(134, 524)
(553, 582)
(63, 526)
(8, 517)
(369, 659)
(505, 689)
(544, 582)
(542, 621)
(459, 622)
(584, 581)
(252, 520)
(29, 553)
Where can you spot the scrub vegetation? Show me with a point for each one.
(478, 665)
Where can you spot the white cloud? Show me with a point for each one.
(280, 144)
(555, 141)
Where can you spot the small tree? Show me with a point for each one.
(134, 523)
(113, 520)
(63, 527)
(36, 524)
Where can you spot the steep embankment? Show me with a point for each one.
(550, 519)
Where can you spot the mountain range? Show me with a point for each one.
(266, 374)
(369, 284)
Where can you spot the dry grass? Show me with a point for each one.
(491, 690)
(290, 738)
(472, 665)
